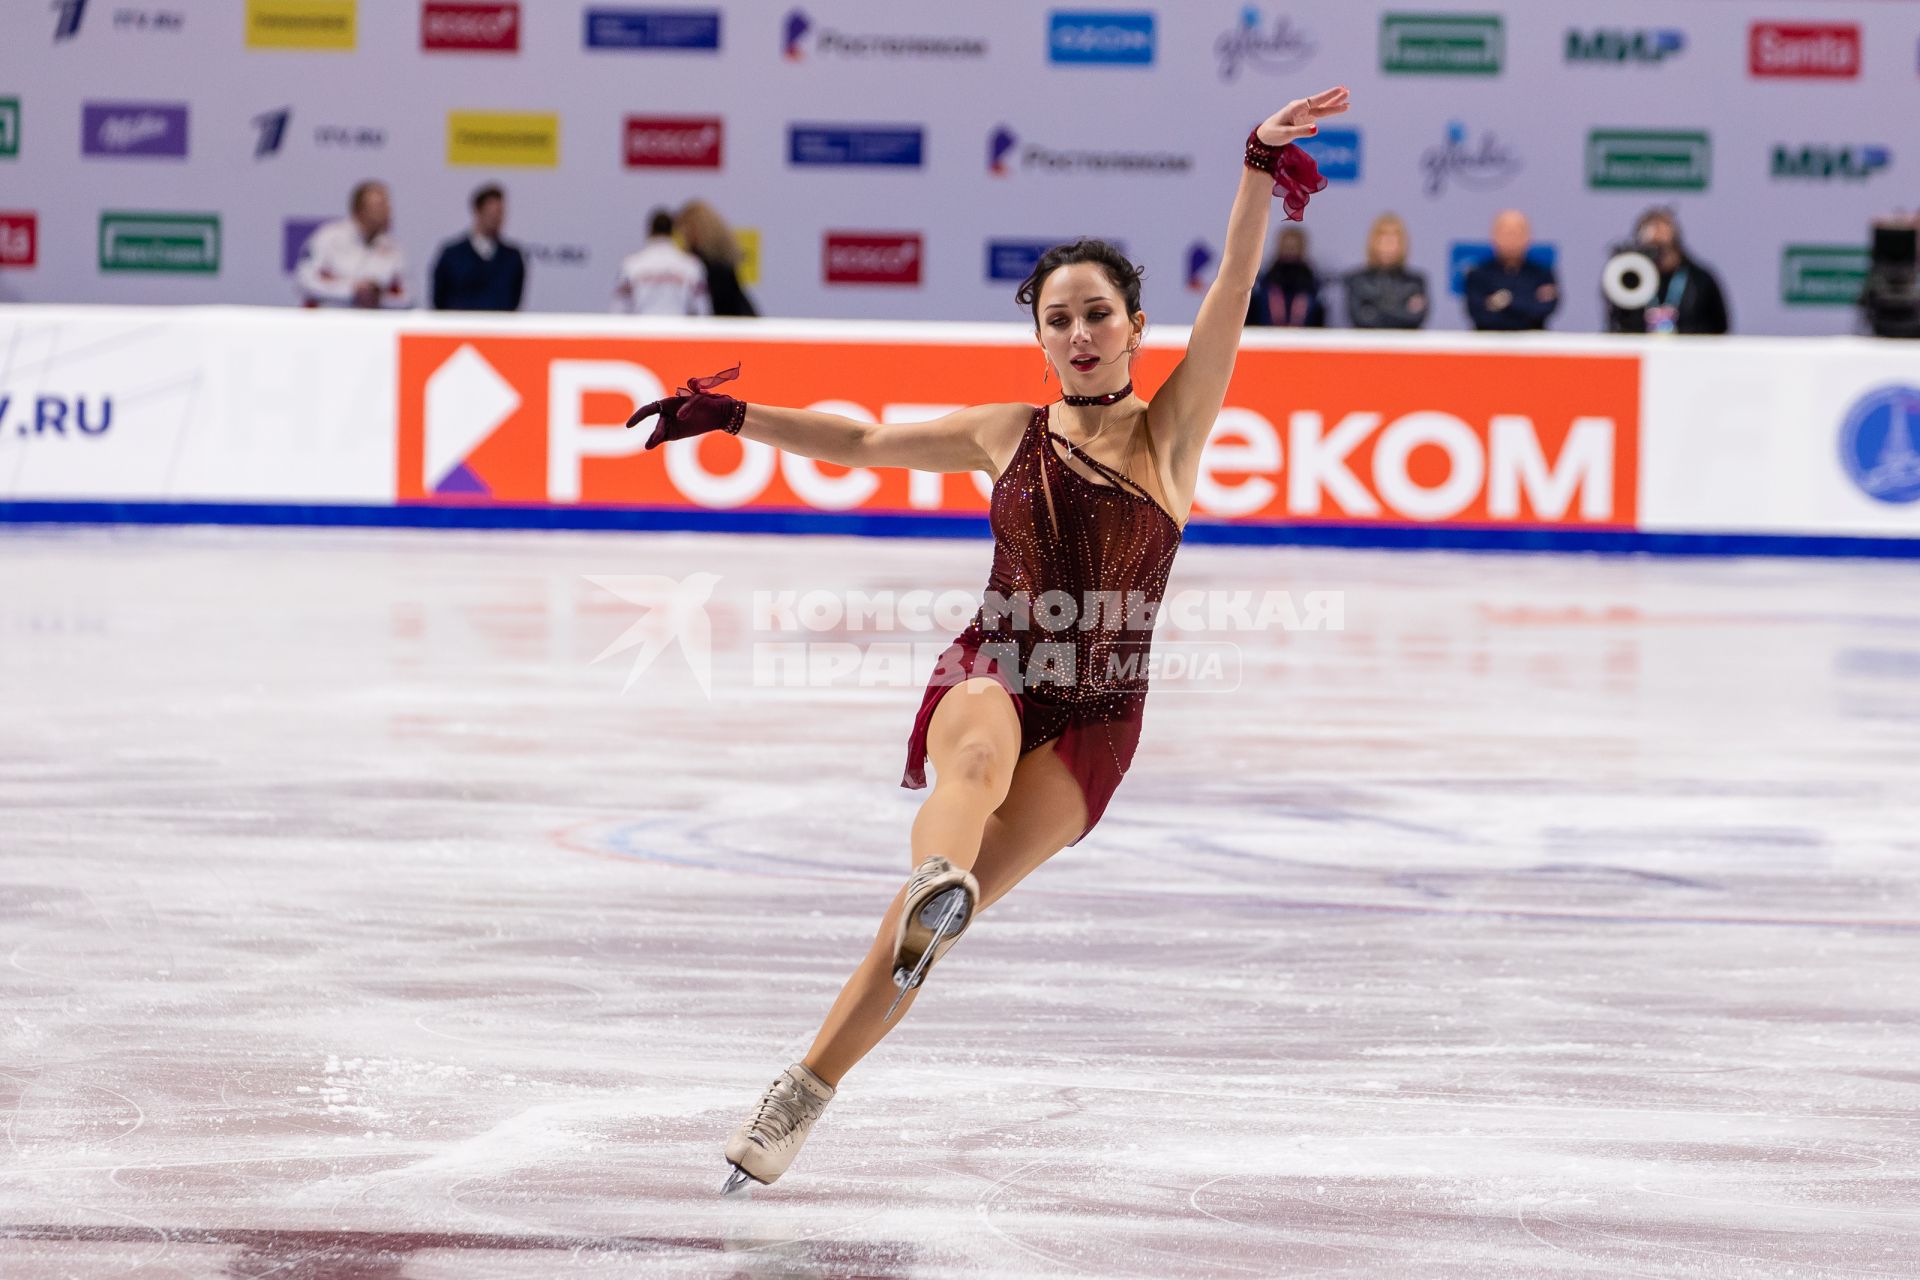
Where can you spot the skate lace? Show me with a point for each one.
(782, 1110)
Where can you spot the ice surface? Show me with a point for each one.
(1556, 917)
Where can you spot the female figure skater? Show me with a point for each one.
(1089, 499)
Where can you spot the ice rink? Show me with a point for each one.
(1556, 916)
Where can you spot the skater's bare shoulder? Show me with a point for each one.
(981, 437)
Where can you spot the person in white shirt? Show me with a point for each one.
(661, 278)
(353, 261)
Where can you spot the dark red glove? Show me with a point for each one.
(694, 411)
(1296, 177)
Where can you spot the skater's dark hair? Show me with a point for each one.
(1124, 274)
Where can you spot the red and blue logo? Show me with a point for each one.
(796, 26)
(1000, 145)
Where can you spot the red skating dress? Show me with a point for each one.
(1079, 684)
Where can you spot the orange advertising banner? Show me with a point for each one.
(1521, 440)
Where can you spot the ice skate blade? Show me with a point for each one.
(955, 910)
(739, 1183)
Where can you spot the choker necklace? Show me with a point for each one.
(1088, 402)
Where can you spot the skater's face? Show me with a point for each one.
(1085, 329)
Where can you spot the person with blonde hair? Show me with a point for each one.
(710, 239)
(1385, 293)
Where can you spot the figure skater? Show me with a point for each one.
(1090, 496)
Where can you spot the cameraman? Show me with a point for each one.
(1688, 297)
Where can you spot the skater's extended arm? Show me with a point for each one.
(1184, 409)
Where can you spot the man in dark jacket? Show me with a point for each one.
(480, 271)
(1688, 299)
(1509, 290)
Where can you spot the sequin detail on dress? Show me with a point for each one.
(1109, 546)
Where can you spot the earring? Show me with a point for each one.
(1046, 367)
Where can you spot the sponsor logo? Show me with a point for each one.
(1880, 444)
(161, 21)
(1825, 163)
(1464, 255)
(798, 33)
(1199, 258)
(9, 128)
(1329, 436)
(147, 129)
(1075, 37)
(840, 145)
(1006, 154)
(673, 142)
(1014, 260)
(530, 138)
(1442, 44)
(1648, 160)
(165, 242)
(67, 16)
(270, 132)
(19, 239)
(1618, 45)
(1276, 48)
(868, 257)
(294, 234)
(557, 255)
(1823, 275)
(1480, 164)
(1827, 52)
(447, 27)
(1336, 152)
(300, 24)
(685, 30)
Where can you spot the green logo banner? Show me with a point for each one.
(1442, 44)
(170, 242)
(1648, 160)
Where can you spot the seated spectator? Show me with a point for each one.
(1688, 298)
(660, 278)
(353, 261)
(1384, 294)
(711, 240)
(1288, 293)
(480, 271)
(1511, 291)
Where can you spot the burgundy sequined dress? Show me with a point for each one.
(1077, 672)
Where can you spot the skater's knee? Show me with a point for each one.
(978, 762)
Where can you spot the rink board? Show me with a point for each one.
(235, 415)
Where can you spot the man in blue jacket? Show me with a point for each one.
(479, 271)
(1509, 290)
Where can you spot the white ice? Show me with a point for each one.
(1556, 917)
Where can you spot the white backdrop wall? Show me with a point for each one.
(377, 104)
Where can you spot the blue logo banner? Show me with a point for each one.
(1464, 255)
(1336, 151)
(809, 144)
(1081, 37)
(688, 29)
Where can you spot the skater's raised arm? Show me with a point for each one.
(1184, 409)
(965, 440)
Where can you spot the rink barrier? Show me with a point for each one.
(814, 524)
(1540, 442)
